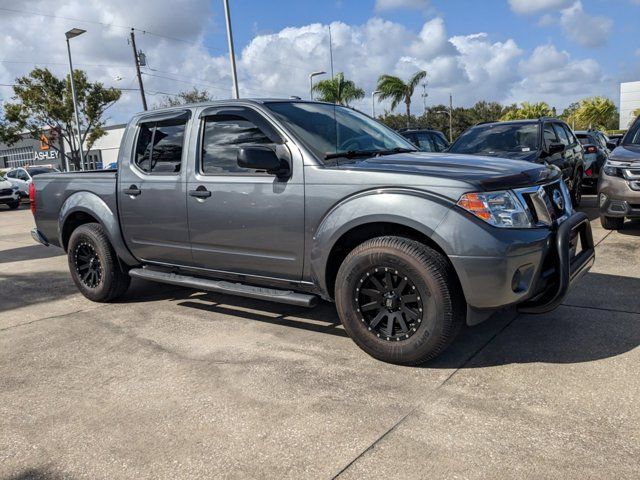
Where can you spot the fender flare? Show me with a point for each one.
(411, 208)
(92, 204)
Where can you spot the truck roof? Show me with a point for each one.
(241, 101)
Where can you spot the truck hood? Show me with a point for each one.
(486, 173)
(626, 153)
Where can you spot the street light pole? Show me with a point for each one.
(232, 55)
(311, 75)
(450, 118)
(74, 32)
(373, 103)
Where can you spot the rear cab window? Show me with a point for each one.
(159, 146)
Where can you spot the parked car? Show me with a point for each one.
(596, 151)
(22, 177)
(426, 140)
(619, 184)
(546, 141)
(288, 201)
(9, 194)
(615, 139)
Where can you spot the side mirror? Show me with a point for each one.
(555, 148)
(258, 157)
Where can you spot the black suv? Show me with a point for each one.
(545, 140)
(426, 140)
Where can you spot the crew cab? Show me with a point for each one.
(292, 201)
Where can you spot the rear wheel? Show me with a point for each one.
(399, 300)
(14, 205)
(94, 264)
(611, 223)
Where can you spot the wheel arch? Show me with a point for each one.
(87, 207)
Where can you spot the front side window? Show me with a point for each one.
(223, 135)
(633, 135)
(562, 134)
(425, 142)
(549, 135)
(441, 145)
(12, 174)
(159, 146)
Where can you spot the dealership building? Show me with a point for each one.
(51, 151)
(629, 102)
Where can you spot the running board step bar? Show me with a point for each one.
(220, 286)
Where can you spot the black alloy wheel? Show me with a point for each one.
(88, 265)
(389, 303)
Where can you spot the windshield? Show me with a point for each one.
(633, 135)
(39, 170)
(496, 138)
(584, 139)
(332, 130)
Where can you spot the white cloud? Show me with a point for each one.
(553, 76)
(586, 29)
(527, 7)
(473, 67)
(382, 5)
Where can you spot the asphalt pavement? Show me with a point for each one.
(174, 383)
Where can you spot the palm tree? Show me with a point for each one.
(338, 90)
(597, 112)
(398, 91)
(528, 110)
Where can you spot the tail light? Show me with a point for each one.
(591, 149)
(589, 172)
(32, 197)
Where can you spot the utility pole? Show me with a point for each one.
(74, 32)
(331, 51)
(137, 62)
(450, 118)
(232, 55)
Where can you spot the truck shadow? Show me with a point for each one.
(571, 334)
(31, 252)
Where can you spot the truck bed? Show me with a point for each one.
(53, 189)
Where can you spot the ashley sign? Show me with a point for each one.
(46, 155)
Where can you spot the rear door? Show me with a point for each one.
(152, 196)
(251, 222)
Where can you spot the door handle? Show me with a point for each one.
(133, 191)
(200, 192)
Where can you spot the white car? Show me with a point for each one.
(22, 177)
(9, 194)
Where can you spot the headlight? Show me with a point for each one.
(611, 170)
(500, 209)
(15, 188)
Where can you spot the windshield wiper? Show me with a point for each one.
(366, 153)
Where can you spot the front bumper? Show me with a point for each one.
(617, 199)
(536, 275)
(570, 264)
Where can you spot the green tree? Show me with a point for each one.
(597, 112)
(398, 91)
(43, 104)
(182, 98)
(338, 90)
(528, 110)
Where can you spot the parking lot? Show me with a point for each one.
(173, 383)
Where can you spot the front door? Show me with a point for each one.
(151, 191)
(244, 221)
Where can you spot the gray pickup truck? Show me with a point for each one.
(289, 201)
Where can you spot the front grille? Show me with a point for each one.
(548, 203)
(6, 191)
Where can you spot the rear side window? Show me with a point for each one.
(159, 146)
(223, 136)
(425, 142)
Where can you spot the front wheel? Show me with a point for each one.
(611, 223)
(576, 192)
(399, 300)
(94, 264)
(14, 205)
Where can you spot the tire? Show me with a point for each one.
(576, 192)
(432, 316)
(611, 223)
(94, 265)
(14, 205)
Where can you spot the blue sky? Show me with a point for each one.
(510, 51)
